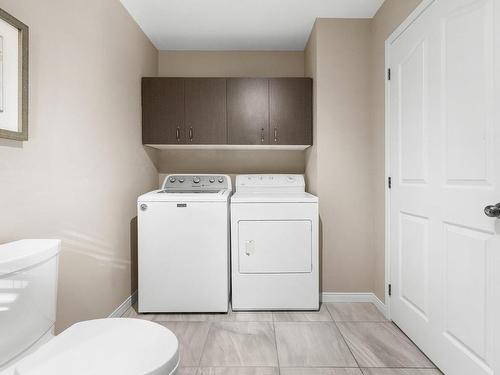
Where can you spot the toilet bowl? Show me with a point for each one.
(28, 280)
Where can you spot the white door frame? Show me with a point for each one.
(395, 34)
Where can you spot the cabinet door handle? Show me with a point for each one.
(275, 135)
(262, 135)
(191, 134)
(178, 134)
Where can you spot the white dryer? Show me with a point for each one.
(274, 244)
(183, 245)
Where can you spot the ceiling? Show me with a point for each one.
(239, 24)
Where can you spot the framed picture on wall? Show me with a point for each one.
(13, 78)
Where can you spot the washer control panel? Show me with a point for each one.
(202, 183)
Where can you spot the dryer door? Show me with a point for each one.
(272, 246)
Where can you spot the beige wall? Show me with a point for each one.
(345, 167)
(389, 16)
(311, 71)
(78, 176)
(232, 162)
(338, 56)
(232, 64)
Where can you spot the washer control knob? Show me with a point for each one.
(181, 180)
(212, 180)
(221, 179)
(196, 180)
(172, 179)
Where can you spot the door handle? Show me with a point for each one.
(275, 135)
(262, 135)
(492, 211)
(178, 134)
(191, 133)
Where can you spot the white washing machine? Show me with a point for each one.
(183, 245)
(274, 244)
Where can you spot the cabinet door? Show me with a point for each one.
(290, 111)
(206, 110)
(248, 111)
(163, 111)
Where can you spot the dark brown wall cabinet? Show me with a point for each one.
(235, 111)
(180, 111)
(163, 111)
(290, 111)
(248, 111)
(205, 110)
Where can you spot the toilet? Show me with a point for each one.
(28, 294)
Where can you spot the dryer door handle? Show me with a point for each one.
(249, 247)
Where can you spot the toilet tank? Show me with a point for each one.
(28, 294)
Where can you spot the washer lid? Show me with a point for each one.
(105, 346)
(270, 197)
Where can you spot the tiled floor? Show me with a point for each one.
(340, 339)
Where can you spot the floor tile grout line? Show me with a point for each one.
(276, 346)
(329, 312)
(344, 339)
(353, 321)
(204, 346)
(325, 367)
(347, 344)
(413, 343)
(408, 367)
(400, 368)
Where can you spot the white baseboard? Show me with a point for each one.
(355, 297)
(120, 310)
(325, 297)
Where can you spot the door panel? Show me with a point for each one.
(444, 123)
(206, 110)
(465, 275)
(271, 246)
(412, 125)
(413, 268)
(163, 111)
(467, 37)
(248, 111)
(290, 107)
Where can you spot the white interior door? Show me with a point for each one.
(444, 126)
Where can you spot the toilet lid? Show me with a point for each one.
(106, 346)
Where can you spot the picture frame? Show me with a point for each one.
(14, 89)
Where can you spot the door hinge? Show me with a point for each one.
(389, 182)
(389, 74)
(390, 290)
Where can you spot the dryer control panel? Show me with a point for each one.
(270, 182)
